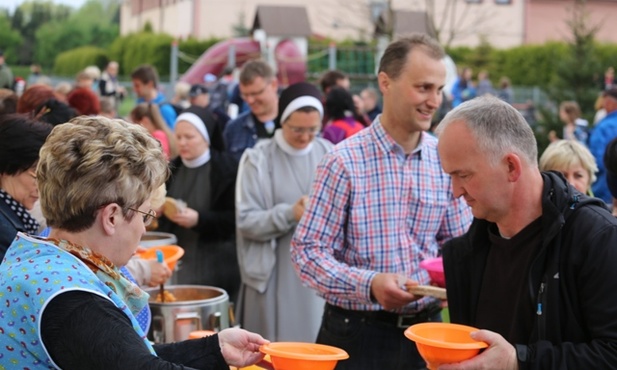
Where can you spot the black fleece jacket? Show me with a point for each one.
(573, 280)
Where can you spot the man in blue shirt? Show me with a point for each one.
(145, 81)
(602, 134)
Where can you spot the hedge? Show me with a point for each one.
(142, 48)
(528, 65)
(70, 62)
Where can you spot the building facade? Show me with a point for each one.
(501, 23)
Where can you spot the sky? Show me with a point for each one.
(12, 4)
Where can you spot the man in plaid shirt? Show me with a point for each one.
(381, 204)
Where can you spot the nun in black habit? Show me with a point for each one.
(203, 176)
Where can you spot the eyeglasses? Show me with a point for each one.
(303, 130)
(148, 216)
(256, 93)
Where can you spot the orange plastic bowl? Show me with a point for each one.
(200, 334)
(303, 356)
(434, 266)
(171, 254)
(444, 343)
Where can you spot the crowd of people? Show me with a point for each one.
(312, 207)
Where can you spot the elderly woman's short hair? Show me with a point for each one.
(567, 153)
(91, 162)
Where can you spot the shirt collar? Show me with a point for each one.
(387, 143)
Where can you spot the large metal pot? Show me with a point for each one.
(197, 307)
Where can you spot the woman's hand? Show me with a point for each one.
(240, 348)
(187, 218)
(159, 273)
(299, 207)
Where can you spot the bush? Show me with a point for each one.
(71, 62)
(352, 57)
(528, 65)
(140, 48)
(606, 58)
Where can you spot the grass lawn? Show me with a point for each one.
(445, 315)
(21, 71)
(126, 106)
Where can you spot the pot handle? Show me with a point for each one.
(193, 317)
(215, 321)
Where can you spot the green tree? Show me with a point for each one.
(28, 18)
(239, 29)
(10, 40)
(575, 73)
(92, 24)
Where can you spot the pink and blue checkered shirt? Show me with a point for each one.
(373, 209)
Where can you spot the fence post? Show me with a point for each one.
(173, 64)
(332, 56)
(231, 56)
(382, 44)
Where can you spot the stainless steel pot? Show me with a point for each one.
(197, 307)
(157, 238)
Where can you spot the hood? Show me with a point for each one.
(559, 199)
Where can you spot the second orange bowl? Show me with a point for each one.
(444, 343)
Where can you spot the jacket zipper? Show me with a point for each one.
(540, 311)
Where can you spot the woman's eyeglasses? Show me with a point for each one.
(148, 216)
(304, 130)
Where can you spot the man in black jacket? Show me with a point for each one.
(537, 270)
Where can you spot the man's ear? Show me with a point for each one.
(384, 82)
(514, 166)
(109, 217)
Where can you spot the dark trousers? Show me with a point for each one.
(372, 341)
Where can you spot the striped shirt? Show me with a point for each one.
(373, 209)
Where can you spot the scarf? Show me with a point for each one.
(31, 226)
(135, 298)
